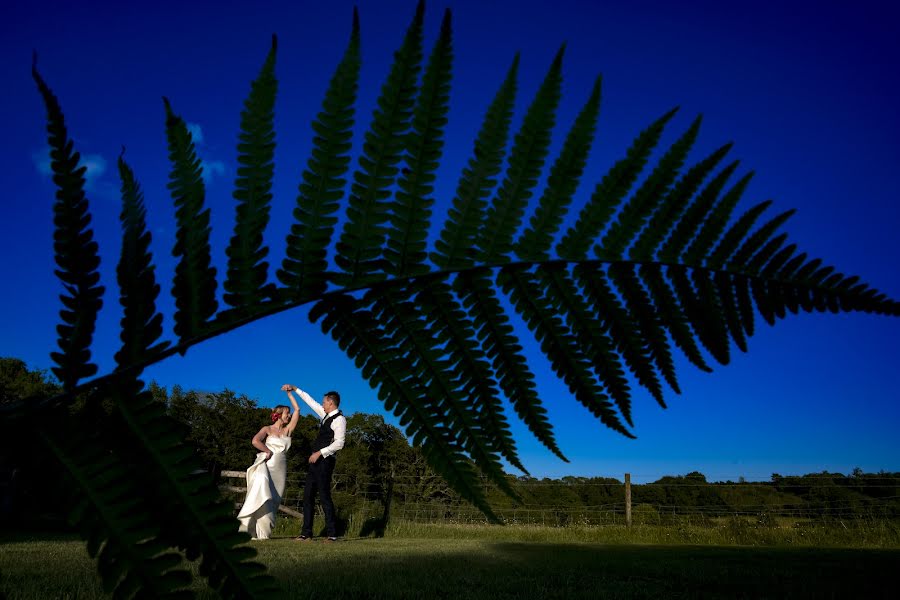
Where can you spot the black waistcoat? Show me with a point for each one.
(326, 435)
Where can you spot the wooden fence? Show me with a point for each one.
(243, 490)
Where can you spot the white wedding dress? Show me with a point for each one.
(265, 487)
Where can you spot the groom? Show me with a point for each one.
(332, 431)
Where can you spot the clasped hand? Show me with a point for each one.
(314, 457)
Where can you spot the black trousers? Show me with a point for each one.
(319, 480)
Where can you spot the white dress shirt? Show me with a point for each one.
(338, 425)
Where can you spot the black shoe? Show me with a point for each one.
(302, 538)
(329, 540)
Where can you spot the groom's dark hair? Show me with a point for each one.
(335, 397)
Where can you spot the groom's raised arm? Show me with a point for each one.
(315, 406)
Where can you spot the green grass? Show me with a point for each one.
(681, 529)
(499, 563)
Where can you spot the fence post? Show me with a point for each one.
(628, 500)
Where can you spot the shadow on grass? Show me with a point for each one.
(52, 567)
(492, 570)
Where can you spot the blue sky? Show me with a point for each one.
(807, 91)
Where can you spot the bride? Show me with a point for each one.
(266, 476)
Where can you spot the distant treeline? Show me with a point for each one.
(378, 471)
(379, 466)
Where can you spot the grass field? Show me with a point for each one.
(509, 563)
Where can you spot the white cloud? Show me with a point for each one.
(212, 168)
(196, 133)
(95, 166)
(41, 162)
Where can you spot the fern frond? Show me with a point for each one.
(638, 209)
(737, 232)
(535, 242)
(359, 247)
(651, 330)
(415, 339)
(75, 251)
(753, 244)
(494, 331)
(196, 518)
(622, 328)
(702, 310)
(439, 346)
(410, 212)
(565, 297)
(245, 281)
(304, 268)
(726, 291)
(692, 218)
(108, 509)
(455, 247)
(604, 201)
(494, 240)
(716, 220)
(766, 253)
(671, 314)
(745, 304)
(141, 323)
(558, 345)
(452, 329)
(373, 344)
(194, 284)
(673, 206)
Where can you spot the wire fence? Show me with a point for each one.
(646, 504)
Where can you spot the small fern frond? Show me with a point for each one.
(671, 314)
(638, 209)
(455, 246)
(701, 309)
(622, 328)
(651, 330)
(245, 281)
(715, 221)
(674, 205)
(304, 269)
(737, 232)
(686, 228)
(607, 195)
(138, 290)
(359, 248)
(753, 244)
(410, 212)
(75, 251)
(494, 241)
(194, 284)
(536, 241)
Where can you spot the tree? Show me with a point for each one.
(657, 258)
(18, 382)
(221, 424)
(26, 494)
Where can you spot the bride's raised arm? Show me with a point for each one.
(295, 416)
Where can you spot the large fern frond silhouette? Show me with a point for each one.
(653, 262)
